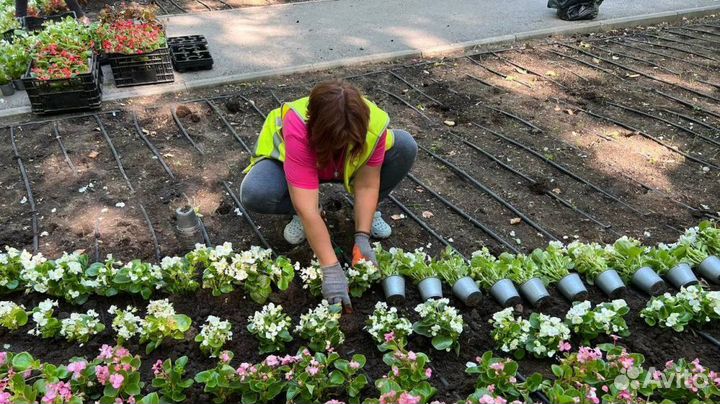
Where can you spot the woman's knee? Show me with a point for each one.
(264, 190)
(405, 147)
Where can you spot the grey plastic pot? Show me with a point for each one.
(430, 288)
(7, 89)
(505, 293)
(19, 85)
(648, 281)
(534, 291)
(572, 287)
(710, 269)
(466, 290)
(681, 276)
(610, 283)
(394, 288)
(188, 226)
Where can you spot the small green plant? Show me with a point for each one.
(271, 327)
(389, 330)
(139, 277)
(80, 327)
(179, 277)
(126, 323)
(440, 322)
(626, 256)
(46, 325)
(663, 258)
(486, 269)
(553, 263)
(118, 372)
(162, 322)
(700, 242)
(12, 315)
(502, 375)
(605, 319)
(590, 260)
(541, 335)
(520, 268)
(451, 266)
(387, 260)
(213, 335)
(416, 265)
(11, 264)
(692, 305)
(63, 277)
(169, 379)
(315, 378)
(409, 374)
(361, 277)
(321, 327)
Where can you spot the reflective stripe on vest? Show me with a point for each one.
(271, 144)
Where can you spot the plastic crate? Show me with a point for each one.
(147, 68)
(78, 93)
(35, 23)
(9, 35)
(189, 56)
(185, 40)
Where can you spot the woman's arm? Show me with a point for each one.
(305, 202)
(367, 189)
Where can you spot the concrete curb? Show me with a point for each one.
(453, 49)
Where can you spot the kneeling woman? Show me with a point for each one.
(335, 135)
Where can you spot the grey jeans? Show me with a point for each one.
(265, 190)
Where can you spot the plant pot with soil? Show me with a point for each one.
(554, 265)
(417, 266)
(492, 275)
(629, 257)
(701, 247)
(667, 261)
(591, 261)
(454, 270)
(393, 283)
(525, 272)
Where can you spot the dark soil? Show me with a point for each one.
(617, 181)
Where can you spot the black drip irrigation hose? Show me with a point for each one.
(497, 73)
(162, 8)
(227, 124)
(709, 338)
(561, 168)
(252, 104)
(671, 123)
(114, 152)
(531, 181)
(64, 118)
(174, 3)
(653, 138)
(465, 215)
(513, 116)
(28, 190)
(204, 5)
(407, 104)
(488, 191)
(185, 132)
(247, 217)
(676, 32)
(153, 235)
(422, 223)
(275, 97)
(538, 394)
(661, 54)
(69, 162)
(151, 146)
(664, 194)
(225, 4)
(688, 104)
(685, 43)
(693, 120)
(675, 48)
(481, 81)
(419, 91)
(641, 73)
(582, 62)
(637, 59)
(533, 72)
(96, 237)
(702, 31)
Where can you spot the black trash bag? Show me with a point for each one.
(575, 10)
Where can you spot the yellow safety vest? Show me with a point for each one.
(271, 143)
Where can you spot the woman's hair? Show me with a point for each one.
(337, 118)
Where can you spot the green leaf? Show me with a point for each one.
(442, 342)
(183, 322)
(22, 361)
(151, 398)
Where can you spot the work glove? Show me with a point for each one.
(335, 286)
(362, 249)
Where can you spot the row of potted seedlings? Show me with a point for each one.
(610, 267)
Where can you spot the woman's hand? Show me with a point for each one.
(335, 286)
(362, 249)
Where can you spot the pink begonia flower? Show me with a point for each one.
(225, 357)
(312, 370)
(289, 375)
(334, 402)
(412, 356)
(122, 352)
(625, 395)
(388, 397)
(697, 367)
(592, 396)
(390, 337)
(407, 398)
(627, 362)
(491, 388)
(27, 373)
(605, 388)
(615, 338)
(396, 371)
(657, 375)
(498, 366)
(354, 365)
(131, 400)
(102, 373)
(5, 397)
(586, 354)
(564, 346)
(106, 352)
(157, 367)
(272, 361)
(3, 358)
(669, 364)
(76, 368)
(428, 373)
(116, 380)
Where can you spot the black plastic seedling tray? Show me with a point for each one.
(190, 53)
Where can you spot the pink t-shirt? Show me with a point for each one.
(301, 170)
